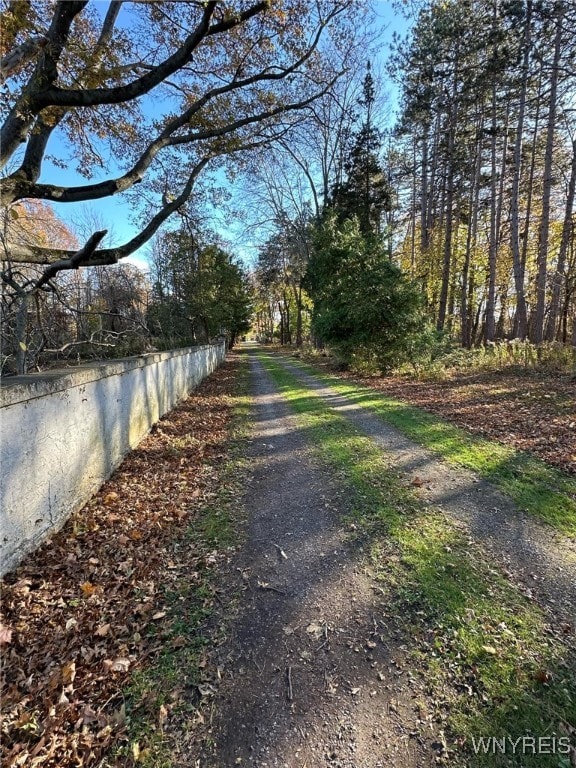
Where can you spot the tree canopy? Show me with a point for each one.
(363, 192)
(160, 89)
(199, 292)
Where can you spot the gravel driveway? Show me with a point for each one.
(313, 678)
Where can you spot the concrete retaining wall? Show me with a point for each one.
(64, 433)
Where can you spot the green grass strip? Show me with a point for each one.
(542, 491)
(493, 665)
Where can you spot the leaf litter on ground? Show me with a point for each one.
(86, 610)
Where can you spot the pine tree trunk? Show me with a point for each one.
(500, 202)
(490, 322)
(431, 211)
(530, 186)
(559, 277)
(538, 325)
(424, 232)
(447, 260)
(465, 317)
(521, 316)
(414, 203)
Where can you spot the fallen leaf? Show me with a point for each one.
(68, 672)
(489, 649)
(117, 665)
(5, 635)
(88, 589)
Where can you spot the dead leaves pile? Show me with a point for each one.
(76, 615)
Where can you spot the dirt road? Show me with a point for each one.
(314, 674)
(313, 677)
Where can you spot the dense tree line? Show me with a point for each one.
(471, 193)
(198, 292)
(489, 167)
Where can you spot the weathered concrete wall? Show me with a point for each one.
(64, 433)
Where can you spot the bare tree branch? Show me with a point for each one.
(74, 261)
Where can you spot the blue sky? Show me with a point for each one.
(116, 213)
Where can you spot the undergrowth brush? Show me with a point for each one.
(441, 359)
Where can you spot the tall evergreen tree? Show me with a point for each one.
(364, 307)
(364, 192)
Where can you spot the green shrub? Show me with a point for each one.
(365, 309)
